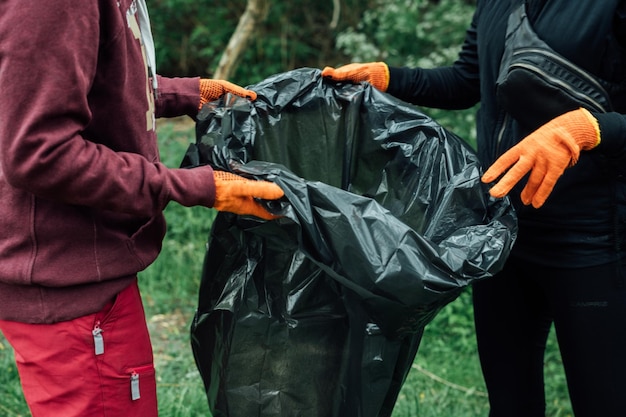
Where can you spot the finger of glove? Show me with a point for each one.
(351, 72)
(229, 186)
(535, 179)
(329, 72)
(251, 207)
(503, 163)
(243, 205)
(549, 181)
(264, 190)
(548, 167)
(512, 177)
(237, 90)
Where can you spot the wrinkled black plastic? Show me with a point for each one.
(321, 312)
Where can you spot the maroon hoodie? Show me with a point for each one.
(81, 186)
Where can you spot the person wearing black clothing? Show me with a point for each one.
(563, 167)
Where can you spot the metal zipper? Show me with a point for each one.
(500, 134)
(98, 340)
(135, 374)
(135, 394)
(564, 62)
(568, 65)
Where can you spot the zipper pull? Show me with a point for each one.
(134, 386)
(98, 341)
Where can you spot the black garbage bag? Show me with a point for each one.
(320, 313)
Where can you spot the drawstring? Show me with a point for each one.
(146, 37)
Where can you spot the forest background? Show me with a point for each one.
(246, 42)
(192, 38)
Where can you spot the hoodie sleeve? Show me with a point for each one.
(76, 118)
(178, 97)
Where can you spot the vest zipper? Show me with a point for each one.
(500, 135)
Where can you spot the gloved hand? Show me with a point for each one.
(237, 194)
(375, 73)
(545, 153)
(211, 90)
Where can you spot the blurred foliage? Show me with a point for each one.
(414, 33)
(190, 37)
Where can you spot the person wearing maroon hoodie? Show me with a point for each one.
(83, 194)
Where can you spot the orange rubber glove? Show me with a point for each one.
(545, 153)
(375, 73)
(237, 194)
(211, 90)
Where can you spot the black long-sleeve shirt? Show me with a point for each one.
(582, 222)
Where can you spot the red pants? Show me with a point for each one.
(93, 366)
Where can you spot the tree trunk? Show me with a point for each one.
(255, 13)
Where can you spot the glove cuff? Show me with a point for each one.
(379, 78)
(590, 137)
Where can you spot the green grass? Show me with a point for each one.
(445, 380)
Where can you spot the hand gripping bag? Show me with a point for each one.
(320, 313)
